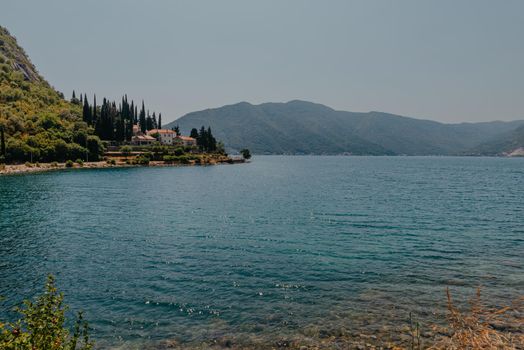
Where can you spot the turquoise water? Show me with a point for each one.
(264, 249)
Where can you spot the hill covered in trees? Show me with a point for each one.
(502, 144)
(300, 127)
(36, 122)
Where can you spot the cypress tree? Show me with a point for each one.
(132, 111)
(94, 117)
(149, 122)
(132, 121)
(155, 125)
(160, 120)
(86, 112)
(99, 121)
(202, 139)
(120, 129)
(142, 118)
(126, 119)
(211, 141)
(112, 122)
(129, 130)
(194, 133)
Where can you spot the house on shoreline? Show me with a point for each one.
(186, 141)
(164, 136)
(170, 137)
(142, 140)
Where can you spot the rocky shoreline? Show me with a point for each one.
(18, 169)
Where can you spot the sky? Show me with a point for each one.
(445, 60)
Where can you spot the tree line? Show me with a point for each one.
(205, 139)
(115, 123)
(112, 122)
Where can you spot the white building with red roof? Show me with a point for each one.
(165, 136)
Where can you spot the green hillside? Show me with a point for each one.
(37, 122)
(299, 127)
(279, 129)
(502, 144)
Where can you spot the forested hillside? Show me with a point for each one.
(36, 122)
(502, 144)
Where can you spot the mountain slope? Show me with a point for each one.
(503, 144)
(273, 128)
(22, 89)
(299, 127)
(39, 123)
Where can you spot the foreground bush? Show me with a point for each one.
(479, 327)
(42, 325)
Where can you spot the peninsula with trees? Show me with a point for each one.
(41, 130)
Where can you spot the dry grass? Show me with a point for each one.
(482, 327)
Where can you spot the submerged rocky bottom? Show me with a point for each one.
(472, 325)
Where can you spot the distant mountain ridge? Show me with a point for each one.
(301, 127)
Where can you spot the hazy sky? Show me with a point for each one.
(444, 60)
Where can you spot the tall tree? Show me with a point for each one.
(202, 139)
(120, 133)
(128, 124)
(149, 122)
(131, 122)
(194, 133)
(211, 141)
(142, 119)
(74, 99)
(99, 122)
(94, 118)
(86, 112)
(160, 120)
(112, 122)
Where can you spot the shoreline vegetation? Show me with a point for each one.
(43, 325)
(120, 161)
